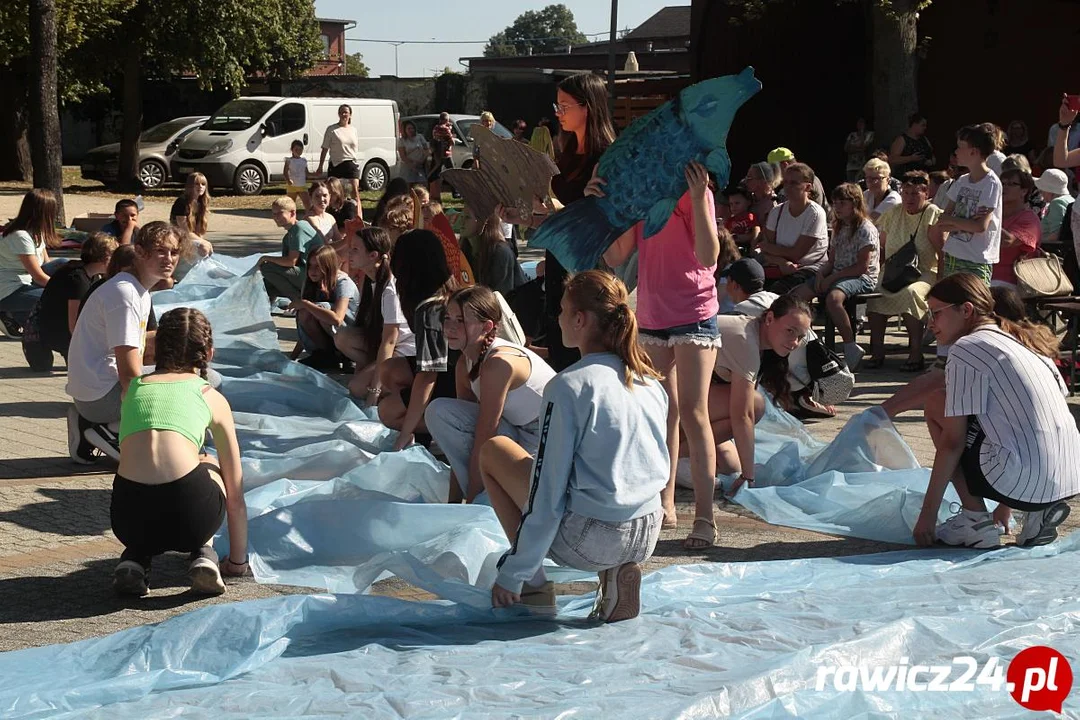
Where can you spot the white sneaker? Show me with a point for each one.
(105, 439)
(618, 597)
(1040, 526)
(204, 573)
(970, 529)
(79, 448)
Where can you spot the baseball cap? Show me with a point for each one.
(780, 154)
(747, 273)
(1053, 181)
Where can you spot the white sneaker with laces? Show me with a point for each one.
(969, 528)
(1040, 526)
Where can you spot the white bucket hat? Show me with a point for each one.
(1055, 182)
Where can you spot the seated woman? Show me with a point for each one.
(319, 217)
(381, 331)
(879, 197)
(60, 302)
(590, 499)
(191, 213)
(851, 268)
(329, 301)
(1053, 187)
(897, 227)
(1021, 231)
(491, 255)
(25, 266)
(424, 285)
(735, 405)
(341, 207)
(1001, 429)
(166, 495)
(499, 386)
(795, 239)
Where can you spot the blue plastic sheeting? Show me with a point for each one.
(866, 483)
(328, 506)
(720, 640)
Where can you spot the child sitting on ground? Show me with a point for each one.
(591, 496)
(742, 223)
(499, 385)
(329, 302)
(166, 495)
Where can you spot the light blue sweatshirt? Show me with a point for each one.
(603, 454)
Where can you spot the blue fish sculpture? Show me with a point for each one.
(644, 170)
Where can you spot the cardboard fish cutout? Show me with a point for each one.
(644, 170)
(510, 173)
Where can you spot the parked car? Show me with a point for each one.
(462, 154)
(244, 144)
(156, 147)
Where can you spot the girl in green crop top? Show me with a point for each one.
(167, 495)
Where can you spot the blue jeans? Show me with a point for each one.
(452, 423)
(593, 545)
(704, 333)
(19, 303)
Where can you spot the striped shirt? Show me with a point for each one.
(1031, 452)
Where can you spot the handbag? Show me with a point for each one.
(902, 267)
(831, 379)
(1041, 275)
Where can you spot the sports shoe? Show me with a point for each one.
(618, 596)
(79, 448)
(539, 600)
(1040, 526)
(970, 529)
(9, 327)
(204, 572)
(104, 439)
(129, 578)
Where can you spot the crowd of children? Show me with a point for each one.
(572, 430)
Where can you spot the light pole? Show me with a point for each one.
(396, 45)
(611, 55)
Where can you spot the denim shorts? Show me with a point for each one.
(849, 286)
(585, 543)
(702, 333)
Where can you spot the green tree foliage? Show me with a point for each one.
(355, 65)
(545, 31)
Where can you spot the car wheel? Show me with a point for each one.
(152, 174)
(248, 180)
(374, 176)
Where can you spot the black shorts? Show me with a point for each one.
(977, 483)
(181, 515)
(445, 383)
(345, 170)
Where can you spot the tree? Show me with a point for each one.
(45, 142)
(218, 42)
(354, 65)
(545, 31)
(896, 47)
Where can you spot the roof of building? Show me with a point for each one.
(669, 22)
(336, 20)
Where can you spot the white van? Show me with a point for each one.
(244, 144)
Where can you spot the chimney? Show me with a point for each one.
(631, 63)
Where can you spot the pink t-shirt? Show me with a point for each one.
(673, 287)
(1025, 226)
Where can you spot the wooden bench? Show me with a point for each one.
(1070, 308)
(850, 305)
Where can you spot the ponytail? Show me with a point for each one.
(1036, 338)
(605, 296)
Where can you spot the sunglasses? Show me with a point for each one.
(561, 109)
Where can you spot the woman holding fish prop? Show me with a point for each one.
(676, 309)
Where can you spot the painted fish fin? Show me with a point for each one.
(578, 235)
(658, 216)
(719, 164)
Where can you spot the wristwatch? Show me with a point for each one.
(1065, 126)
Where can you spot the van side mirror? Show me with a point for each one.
(263, 130)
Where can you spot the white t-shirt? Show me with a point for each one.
(891, 200)
(297, 171)
(393, 315)
(810, 222)
(1031, 452)
(941, 197)
(12, 273)
(342, 142)
(968, 197)
(114, 316)
(994, 162)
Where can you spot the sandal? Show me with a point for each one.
(708, 537)
(873, 363)
(914, 365)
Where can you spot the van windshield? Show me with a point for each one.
(238, 114)
(164, 131)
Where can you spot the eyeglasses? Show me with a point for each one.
(1011, 183)
(560, 109)
(874, 178)
(931, 312)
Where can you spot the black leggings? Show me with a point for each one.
(180, 515)
(977, 484)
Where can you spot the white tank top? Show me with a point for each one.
(523, 403)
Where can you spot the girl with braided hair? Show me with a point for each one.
(499, 386)
(591, 494)
(166, 494)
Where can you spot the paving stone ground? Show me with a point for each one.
(57, 551)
